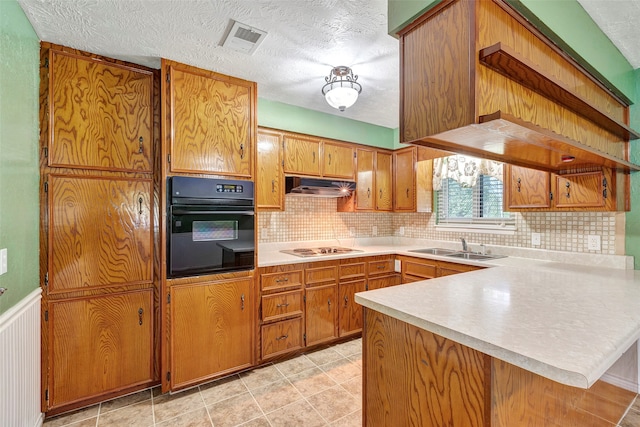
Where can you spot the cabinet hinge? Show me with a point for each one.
(168, 76)
(46, 152)
(168, 298)
(46, 279)
(550, 196)
(46, 316)
(304, 338)
(169, 158)
(304, 298)
(355, 156)
(46, 187)
(46, 63)
(168, 376)
(46, 395)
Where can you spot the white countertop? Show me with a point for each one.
(565, 321)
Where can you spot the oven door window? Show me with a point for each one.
(210, 242)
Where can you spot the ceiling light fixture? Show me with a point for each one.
(341, 90)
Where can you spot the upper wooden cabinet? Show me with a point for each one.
(374, 180)
(526, 188)
(211, 121)
(309, 156)
(404, 182)
(479, 79)
(270, 175)
(100, 113)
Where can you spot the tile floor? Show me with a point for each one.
(321, 388)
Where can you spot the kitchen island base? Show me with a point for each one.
(413, 377)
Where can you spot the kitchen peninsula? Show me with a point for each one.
(503, 346)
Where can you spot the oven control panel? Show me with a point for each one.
(229, 188)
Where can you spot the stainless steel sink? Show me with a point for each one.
(435, 251)
(475, 257)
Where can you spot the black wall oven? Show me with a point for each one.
(211, 226)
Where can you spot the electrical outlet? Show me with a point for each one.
(3, 261)
(375, 230)
(352, 232)
(401, 232)
(593, 242)
(535, 239)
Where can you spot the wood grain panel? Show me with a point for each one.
(522, 398)
(281, 280)
(352, 270)
(211, 122)
(383, 282)
(404, 182)
(282, 304)
(580, 190)
(281, 337)
(425, 268)
(436, 91)
(365, 192)
(526, 188)
(301, 156)
(315, 276)
(321, 314)
(100, 114)
(338, 161)
(415, 378)
(384, 181)
(382, 266)
(350, 314)
(211, 330)
(449, 268)
(99, 345)
(270, 176)
(100, 232)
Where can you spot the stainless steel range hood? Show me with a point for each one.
(316, 187)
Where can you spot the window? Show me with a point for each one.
(468, 197)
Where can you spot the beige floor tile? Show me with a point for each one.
(197, 418)
(334, 403)
(276, 395)
(121, 402)
(78, 415)
(89, 422)
(257, 422)
(354, 386)
(349, 348)
(295, 365)
(235, 410)
(322, 357)
(169, 406)
(632, 419)
(261, 377)
(354, 419)
(311, 381)
(222, 389)
(342, 370)
(138, 415)
(297, 414)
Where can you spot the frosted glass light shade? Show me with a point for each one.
(341, 97)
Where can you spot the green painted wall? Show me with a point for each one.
(19, 172)
(295, 119)
(401, 12)
(632, 223)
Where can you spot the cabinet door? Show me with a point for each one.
(383, 282)
(301, 156)
(337, 161)
(270, 179)
(365, 192)
(321, 314)
(384, 178)
(580, 190)
(350, 316)
(99, 345)
(211, 330)
(100, 114)
(212, 122)
(404, 171)
(526, 188)
(100, 232)
(281, 337)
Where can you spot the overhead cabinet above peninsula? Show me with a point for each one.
(478, 79)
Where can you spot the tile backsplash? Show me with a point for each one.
(308, 218)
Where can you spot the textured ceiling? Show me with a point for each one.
(306, 38)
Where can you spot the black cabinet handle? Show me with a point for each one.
(140, 203)
(140, 312)
(140, 141)
(242, 151)
(518, 185)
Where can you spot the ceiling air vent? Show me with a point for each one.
(244, 38)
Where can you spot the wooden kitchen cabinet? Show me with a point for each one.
(98, 345)
(384, 181)
(282, 337)
(352, 279)
(526, 188)
(211, 330)
(100, 232)
(301, 155)
(212, 124)
(588, 189)
(337, 160)
(270, 174)
(374, 182)
(100, 114)
(321, 314)
(404, 163)
(416, 269)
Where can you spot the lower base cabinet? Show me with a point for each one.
(350, 314)
(282, 337)
(321, 314)
(99, 345)
(211, 330)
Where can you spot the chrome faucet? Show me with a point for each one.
(464, 244)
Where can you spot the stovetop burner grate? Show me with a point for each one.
(320, 251)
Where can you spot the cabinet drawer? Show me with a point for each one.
(283, 304)
(424, 270)
(287, 279)
(352, 271)
(447, 269)
(281, 337)
(383, 282)
(321, 275)
(385, 266)
(407, 278)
